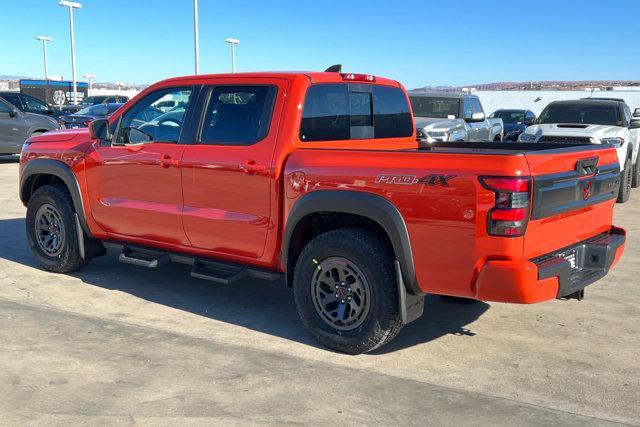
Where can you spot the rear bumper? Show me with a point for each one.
(554, 275)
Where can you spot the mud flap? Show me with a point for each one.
(411, 306)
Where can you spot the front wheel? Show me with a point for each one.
(625, 182)
(345, 290)
(51, 230)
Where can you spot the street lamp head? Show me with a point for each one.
(44, 38)
(232, 41)
(73, 4)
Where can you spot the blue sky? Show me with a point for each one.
(416, 42)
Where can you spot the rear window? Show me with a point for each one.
(354, 111)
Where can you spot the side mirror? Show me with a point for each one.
(13, 112)
(476, 117)
(529, 121)
(99, 129)
(636, 112)
(635, 123)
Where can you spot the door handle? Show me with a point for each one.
(252, 166)
(166, 161)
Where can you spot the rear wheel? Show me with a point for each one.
(345, 290)
(51, 230)
(635, 183)
(626, 179)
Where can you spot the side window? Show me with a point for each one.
(237, 115)
(14, 100)
(144, 122)
(392, 117)
(4, 108)
(468, 110)
(477, 107)
(35, 105)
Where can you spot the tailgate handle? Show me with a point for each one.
(587, 166)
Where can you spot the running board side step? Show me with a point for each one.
(207, 269)
(142, 257)
(225, 274)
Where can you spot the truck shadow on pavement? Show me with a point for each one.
(9, 159)
(262, 306)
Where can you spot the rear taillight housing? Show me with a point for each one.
(510, 214)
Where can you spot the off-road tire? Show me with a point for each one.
(69, 258)
(635, 183)
(625, 182)
(374, 258)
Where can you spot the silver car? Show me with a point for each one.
(17, 126)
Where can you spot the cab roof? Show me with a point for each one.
(313, 76)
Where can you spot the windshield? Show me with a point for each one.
(441, 108)
(591, 114)
(92, 100)
(509, 116)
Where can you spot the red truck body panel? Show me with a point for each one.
(232, 202)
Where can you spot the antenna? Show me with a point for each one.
(334, 69)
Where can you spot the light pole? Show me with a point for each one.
(233, 43)
(195, 36)
(72, 5)
(91, 78)
(44, 40)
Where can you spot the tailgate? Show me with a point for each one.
(573, 193)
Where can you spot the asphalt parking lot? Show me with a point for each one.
(117, 344)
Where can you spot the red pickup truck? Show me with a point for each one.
(317, 178)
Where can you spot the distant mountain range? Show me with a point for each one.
(541, 85)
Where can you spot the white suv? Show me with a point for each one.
(593, 121)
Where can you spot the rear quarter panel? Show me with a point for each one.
(446, 224)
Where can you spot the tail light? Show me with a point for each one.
(510, 215)
(358, 77)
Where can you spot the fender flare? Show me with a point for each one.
(368, 205)
(61, 170)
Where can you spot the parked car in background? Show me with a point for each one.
(515, 122)
(16, 126)
(82, 118)
(29, 104)
(95, 100)
(595, 121)
(457, 117)
(317, 179)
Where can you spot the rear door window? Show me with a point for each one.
(238, 115)
(334, 112)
